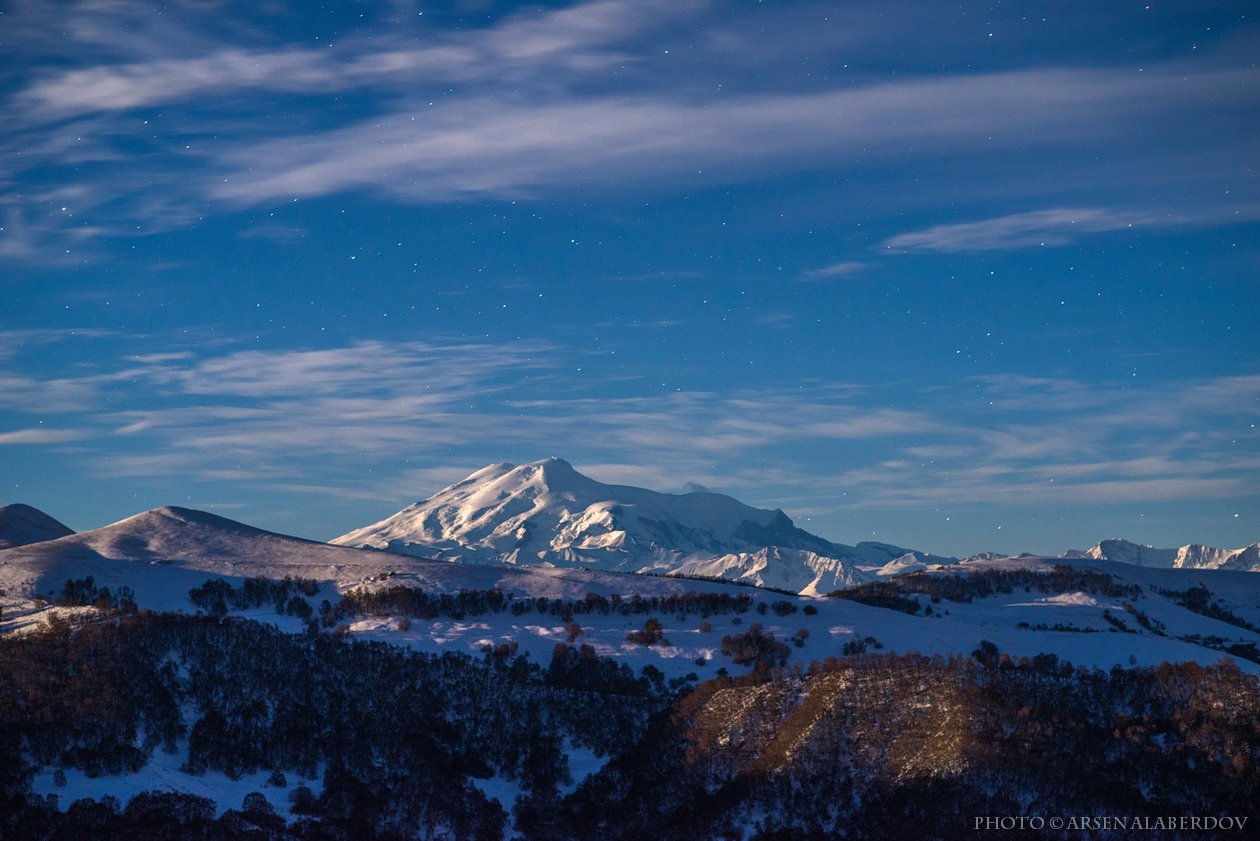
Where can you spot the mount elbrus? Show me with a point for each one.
(545, 512)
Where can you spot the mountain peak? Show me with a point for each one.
(554, 465)
(547, 513)
(552, 472)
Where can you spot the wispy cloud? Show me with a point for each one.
(13, 342)
(364, 368)
(40, 435)
(379, 421)
(366, 401)
(1059, 442)
(660, 276)
(522, 47)
(538, 102)
(1057, 226)
(283, 234)
(267, 415)
(1015, 489)
(846, 268)
(659, 477)
(264, 412)
(510, 146)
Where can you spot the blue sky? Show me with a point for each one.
(963, 277)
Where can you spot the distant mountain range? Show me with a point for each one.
(537, 516)
(547, 513)
(1191, 556)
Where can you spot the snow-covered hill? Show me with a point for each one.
(1191, 556)
(161, 554)
(547, 513)
(21, 525)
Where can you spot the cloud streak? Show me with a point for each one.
(39, 435)
(1056, 226)
(537, 103)
(846, 268)
(565, 42)
(512, 146)
(409, 411)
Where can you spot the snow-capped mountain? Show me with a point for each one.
(909, 562)
(1191, 556)
(548, 513)
(21, 525)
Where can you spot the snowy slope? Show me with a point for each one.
(1191, 556)
(1072, 625)
(21, 524)
(163, 553)
(547, 513)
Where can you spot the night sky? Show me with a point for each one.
(956, 276)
